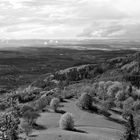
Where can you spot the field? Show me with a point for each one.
(89, 126)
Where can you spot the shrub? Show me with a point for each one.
(67, 121)
(108, 104)
(85, 101)
(54, 104)
(101, 90)
(119, 104)
(120, 96)
(9, 126)
(27, 128)
(136, 106)
(3, 106)
(127, 113)
(26, 108)
(114, 89)
(128, 103)
(131, 132)
(42, 102)
(137, 123)
(104, 112)
(92, 92)
(127, 107)
(30, 116)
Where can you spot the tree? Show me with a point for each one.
(101, 90)
(137, 123)
(120, 96)
(127, 107)
(31, 117)
(131, 133)
(136, 106)
(67, 121)
(42, 102)
(54, 104)
(9, 126)
(114, 89)
(85, 101)
(27, 128)
(108, 104)
(26, 108)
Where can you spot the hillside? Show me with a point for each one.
(103, 100)
(125, 68)
(21, 66)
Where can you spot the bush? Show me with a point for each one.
(137, 123)
(119, 104)
(30, 116)
(42, 102)
(104, 112)
(85, 101)
(114, 89)
(67, 121)
(54, 104)
(120, 96)
(26, 108)
(128, 107)
(101, 90)
(9, 126)
(3, 106)
(27, 128)
(128, 104)
(131, 132)
(108, 104)
(136, 106)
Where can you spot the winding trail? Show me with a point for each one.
(89, 126)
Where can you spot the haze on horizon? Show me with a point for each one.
(42, 19)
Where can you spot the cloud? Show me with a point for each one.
(125, 29)
(71, 18)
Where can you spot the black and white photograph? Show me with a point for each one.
(69, 69)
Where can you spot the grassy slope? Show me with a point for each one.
(89, 126)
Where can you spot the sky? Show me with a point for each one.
(43, 19)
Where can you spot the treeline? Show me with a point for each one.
(79, 73)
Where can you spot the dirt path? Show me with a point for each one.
(88, 125)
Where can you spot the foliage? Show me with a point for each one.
(26, 108)
(54, 104)
(42, 102)
(131, 132)
(108, 104)
(85, 101)
(120, 96)
(113, 89)
(27, 94)
(128, 107)
(67, 121)
(3, 106)
(101, 90)
(128, 103)
(136, 106)
(30, 116)
(104, 112)
(119, 104)
(137, 122)
(27, 128)
(9, 126)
